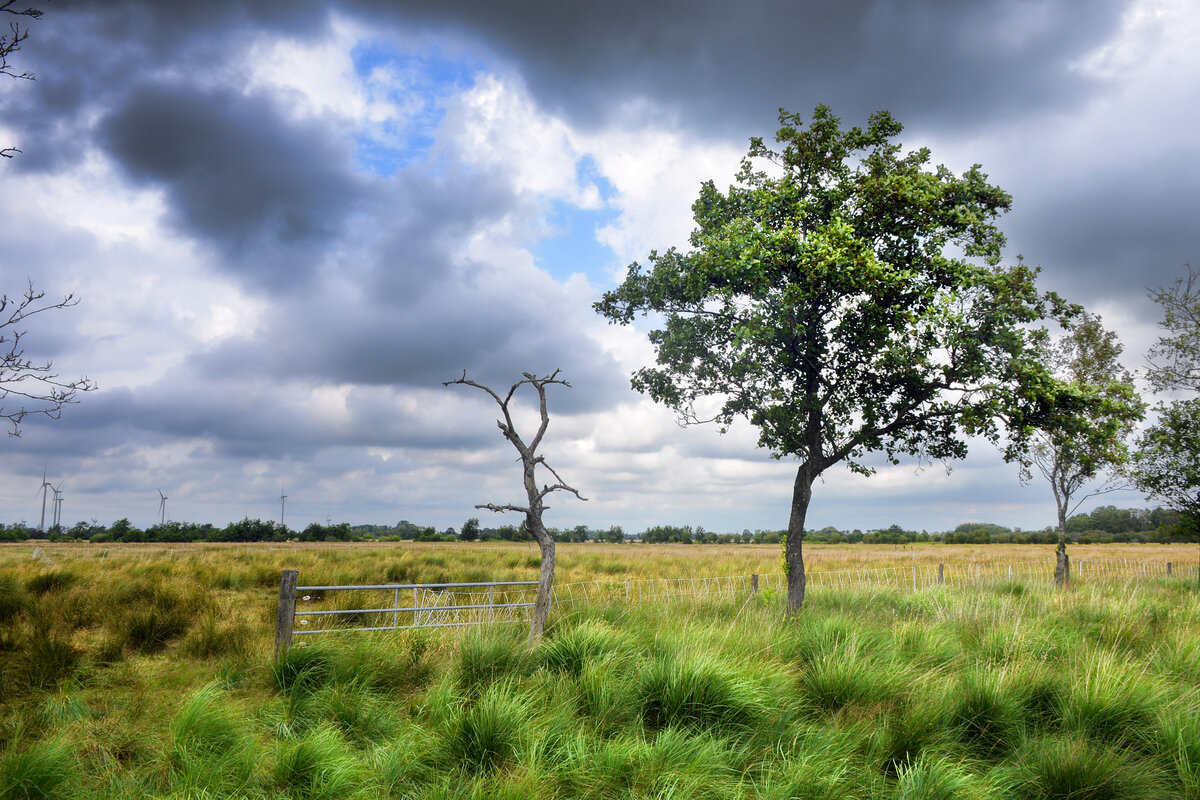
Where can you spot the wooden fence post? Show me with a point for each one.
(287, 611)
(754, 583)
(1168, 569)
(941, 573)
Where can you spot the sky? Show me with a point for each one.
(288, 222)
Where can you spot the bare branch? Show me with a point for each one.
(503, 508)
(21, 377)
(529, 463)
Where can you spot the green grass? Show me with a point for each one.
(1004, 691)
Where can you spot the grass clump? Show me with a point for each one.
(208, 750)
(42, 770)
(486, 734)
(318, 766)
(212, 637)
(490, 656)
(302, 670)
(985, 715)
(930, 778)
(51, 582)
(575, 648)
(1058, 768)
(696, 693)
(836, 681)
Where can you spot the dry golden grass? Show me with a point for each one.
(234, 567)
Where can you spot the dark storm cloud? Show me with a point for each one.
(715, 65)
(1126, 226)
(236, 172)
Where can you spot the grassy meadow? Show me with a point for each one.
(142, 671)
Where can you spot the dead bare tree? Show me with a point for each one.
(38, 390)
(530, 460)
(10, 43)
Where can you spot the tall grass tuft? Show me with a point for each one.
(49, 658)
(907, 734)
(489, 656)
(834, 681)
(487, 733)
(698, 693)
(356, 711)
(212, 637)
(1111, 704)
(985, 714)
(13, 601)
(52, 582)
(42, 770)
(302, 670)
(208, 751)
(935, 779)
(318, 766)
(1057, 768)
(572, 650)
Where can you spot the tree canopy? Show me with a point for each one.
(1073, 448)
(1167, 464)
(846, 299)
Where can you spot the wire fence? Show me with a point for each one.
(914, 577)
(321, 609)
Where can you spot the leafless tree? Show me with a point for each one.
(10, 43)
(35, 387)
(530, 460)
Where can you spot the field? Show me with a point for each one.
(146, 671)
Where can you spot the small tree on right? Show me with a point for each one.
(1072, 449)
(1167, 463)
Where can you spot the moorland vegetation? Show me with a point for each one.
(134, 674)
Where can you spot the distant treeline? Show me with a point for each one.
(1104, 525)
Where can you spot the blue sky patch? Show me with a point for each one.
(424, 81)
(573, 248)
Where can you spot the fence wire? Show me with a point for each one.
(914, 577)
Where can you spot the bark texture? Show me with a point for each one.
(794, 550)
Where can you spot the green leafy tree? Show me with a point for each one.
(1167, 464)
(1073, 448)
(846, 299)
(614, 535)
(470, 530)
(1175, 358)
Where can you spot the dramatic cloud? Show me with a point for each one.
(289, 222)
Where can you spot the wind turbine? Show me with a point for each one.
(162, 508)
(58, 501)
(45, 485)
(282, 506)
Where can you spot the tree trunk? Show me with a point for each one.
(794, 550)
(1062, 562)
(541, 606)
